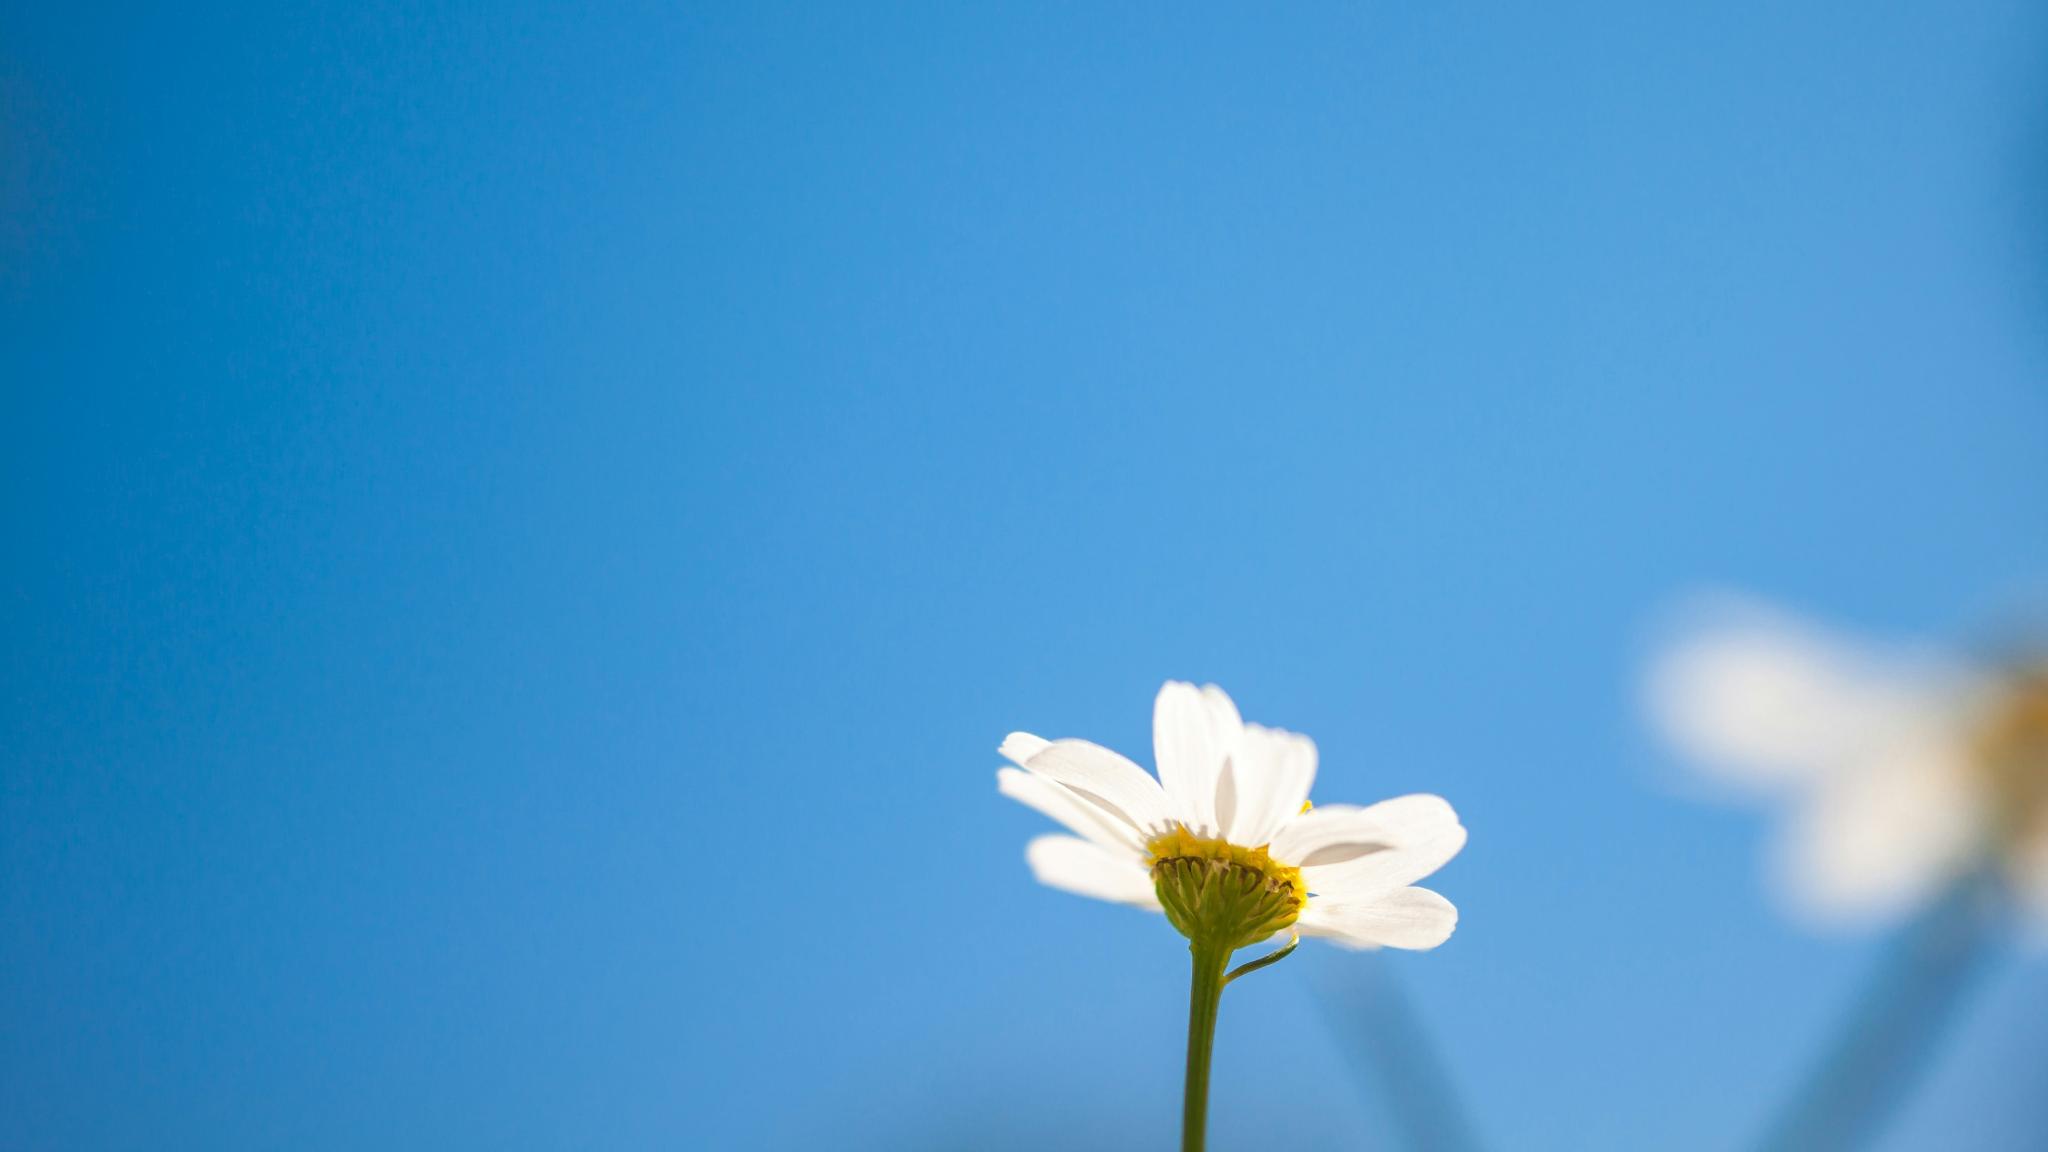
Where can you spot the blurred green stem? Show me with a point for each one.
(1889, 1039)
(1386, 1040)
(1205, 996)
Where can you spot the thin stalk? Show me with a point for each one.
(1388, 1042)
(1889, 1039)
(1205, 996)
(1270, 958)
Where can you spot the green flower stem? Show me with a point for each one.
(1205, 996)
(1890, 1040)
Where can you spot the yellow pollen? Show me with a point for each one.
(2012, 755)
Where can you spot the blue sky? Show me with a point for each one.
(526, 527)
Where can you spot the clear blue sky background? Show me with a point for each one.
(524, 529)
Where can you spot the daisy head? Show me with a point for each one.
(1225, 841)
(1901, 771)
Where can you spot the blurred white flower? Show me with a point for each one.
(1225, 841)
(1903, 770)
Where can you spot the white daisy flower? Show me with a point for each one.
(1225, 842)
(1904, 770)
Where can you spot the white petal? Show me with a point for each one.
(1193, 731)
(1763, 698)
(1105, 777)
(1086, 869)
(1019, 747)
(1887, 837)
(1403, 918)
(1271, 772)
(1055, 800)
(1371, 876)
(1339, 831)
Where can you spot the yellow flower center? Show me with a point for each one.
(1223, 893)
(2012, 753)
